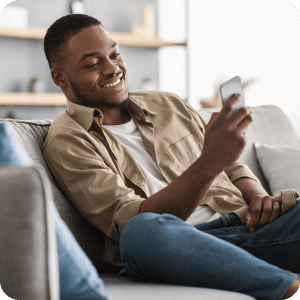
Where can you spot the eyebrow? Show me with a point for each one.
(86, 55)
(115, 44)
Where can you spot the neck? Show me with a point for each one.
(116, 117)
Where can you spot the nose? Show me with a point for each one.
(110, 67)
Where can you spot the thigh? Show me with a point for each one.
(277, 243)
(222, 228)
(162, 248)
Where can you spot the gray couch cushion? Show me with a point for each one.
(32, 135)
(116, 288)
(270, 126)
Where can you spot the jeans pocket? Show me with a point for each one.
(231, 219)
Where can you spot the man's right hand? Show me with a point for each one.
(224, 140)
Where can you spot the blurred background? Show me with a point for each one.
(188, 47)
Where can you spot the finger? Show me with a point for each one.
(245, 123)
(213, 116)
(245, 136)
(248, 223)
(267, 209)
(228, 108)
(256, 209)
(247, 218)
(276, 211)
(241, 115)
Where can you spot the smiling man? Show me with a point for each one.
(145, 169)
(83, 84)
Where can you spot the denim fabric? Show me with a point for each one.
(79, 278)
(221, 254)
(270, 243)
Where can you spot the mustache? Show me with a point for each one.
(118, 73)
(123, 72)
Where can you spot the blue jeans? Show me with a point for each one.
(221, 254)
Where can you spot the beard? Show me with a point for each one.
(86, 101)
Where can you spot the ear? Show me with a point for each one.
(59, 78)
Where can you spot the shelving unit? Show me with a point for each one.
(125, 39)
(33, 99)
(141, 36)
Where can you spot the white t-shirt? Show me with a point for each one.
(131, 137)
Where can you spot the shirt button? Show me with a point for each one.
(96, 113)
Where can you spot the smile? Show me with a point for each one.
(112, 84)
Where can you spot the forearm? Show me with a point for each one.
(184, 194)
(249, 188)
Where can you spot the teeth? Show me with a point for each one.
(112, 84)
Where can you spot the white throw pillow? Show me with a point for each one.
(280, 165)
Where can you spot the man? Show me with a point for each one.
(145, 169)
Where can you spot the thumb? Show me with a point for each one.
(247, 218)
(248, 221)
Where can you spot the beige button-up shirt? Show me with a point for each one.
(103, 180)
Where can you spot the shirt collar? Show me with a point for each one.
(139, 110)
(84, 115)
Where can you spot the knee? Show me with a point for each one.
(147, 222)
(139, 225)
(145, 230)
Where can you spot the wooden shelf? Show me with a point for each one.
(125, 39)
(33, 99)
(22, 33)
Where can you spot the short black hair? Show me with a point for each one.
(59, 33)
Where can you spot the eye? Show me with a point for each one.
(117, 55)
(92, 65)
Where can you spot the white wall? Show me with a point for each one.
(257, 39)
(172, 60)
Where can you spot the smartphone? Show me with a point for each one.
(230, 88)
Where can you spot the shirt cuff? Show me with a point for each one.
(288, 198)
(126, 212)
(239, 170)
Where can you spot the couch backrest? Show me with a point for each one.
(270, 126)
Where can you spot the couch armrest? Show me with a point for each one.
(28, 253)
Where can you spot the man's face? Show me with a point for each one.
(95, 70)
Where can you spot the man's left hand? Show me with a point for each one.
(262, 211)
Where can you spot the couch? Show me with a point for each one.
(28, 259)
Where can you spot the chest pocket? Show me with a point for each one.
(186, 151)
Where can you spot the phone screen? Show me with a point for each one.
(230, 88)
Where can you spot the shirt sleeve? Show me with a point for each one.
(239, 170)
(97, 192)
(288, 198)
